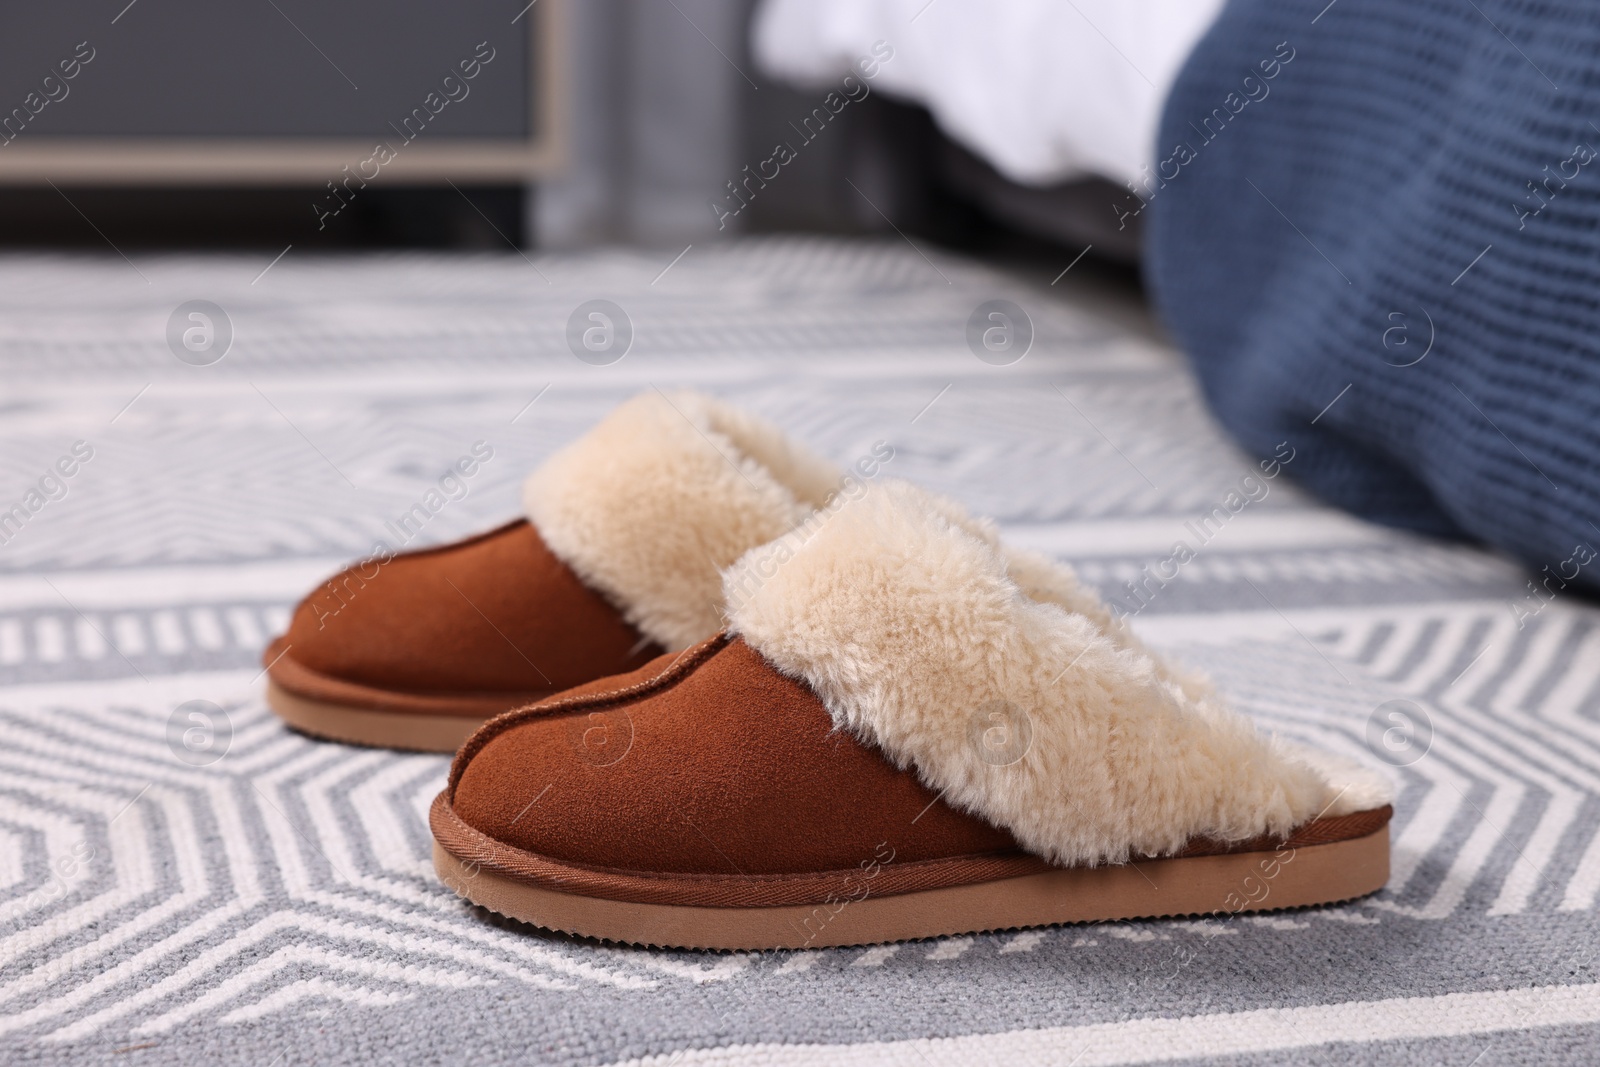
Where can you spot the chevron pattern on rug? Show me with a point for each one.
(270, 899)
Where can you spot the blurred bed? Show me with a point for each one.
(1048, 141)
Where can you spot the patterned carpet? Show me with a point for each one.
(245, 895)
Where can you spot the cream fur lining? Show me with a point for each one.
(663, 493)
(1010, 688)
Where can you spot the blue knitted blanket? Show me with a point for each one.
(1375, 227)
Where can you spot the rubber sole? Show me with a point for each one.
(412, 731)
(1197, 885)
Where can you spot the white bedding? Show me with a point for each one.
(1044, 90)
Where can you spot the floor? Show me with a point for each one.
(251, 896)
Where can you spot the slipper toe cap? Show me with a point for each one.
(496, 613)
(734, 770)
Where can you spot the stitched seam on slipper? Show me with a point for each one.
(677, 670)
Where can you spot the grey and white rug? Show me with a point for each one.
(180, 890)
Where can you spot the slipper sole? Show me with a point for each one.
(1206, 886)
(412, 731)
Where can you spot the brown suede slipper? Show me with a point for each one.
(618, 559)
(907, 732)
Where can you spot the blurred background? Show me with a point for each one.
(552, 124)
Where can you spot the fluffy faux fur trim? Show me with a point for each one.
(662, 494)
(1010, 688)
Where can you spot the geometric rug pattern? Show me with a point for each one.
(176, 889)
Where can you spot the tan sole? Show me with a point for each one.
(363, 726)
(1197, 885)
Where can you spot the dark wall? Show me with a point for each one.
(285, 68)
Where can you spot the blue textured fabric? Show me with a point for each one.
(1393, 207)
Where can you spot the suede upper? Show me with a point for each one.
(734, 769)
(494, 614)
(709, 777)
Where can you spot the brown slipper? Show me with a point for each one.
(906, 732)
(618, 559)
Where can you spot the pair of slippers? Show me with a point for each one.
(760, 704)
